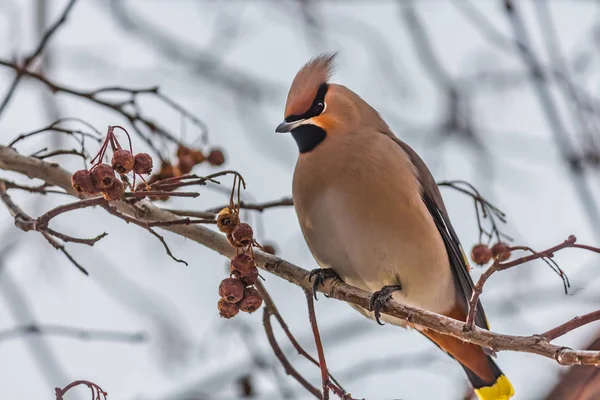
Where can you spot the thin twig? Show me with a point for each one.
(499, 266)
(72, 332)
(38, 50)
(315, 329)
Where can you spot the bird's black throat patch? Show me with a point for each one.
(308, 136)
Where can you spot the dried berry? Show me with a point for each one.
(186, 163)
(166, 170)
(500, 251)
(231, 290)
(82, 182)
(230, 240)
(242, 235)
(481, 254)
(242, 265)
(123, 161)
(251, 301)
(250, 278)
(115, 192)
(226, 309)
(183, 151)
(269, 248)
(143, 163)
(216, 157)
(103, 176)
(198, 156)
(227, 220)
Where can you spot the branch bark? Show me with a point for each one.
(53, 174)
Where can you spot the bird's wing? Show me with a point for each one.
(435, 204)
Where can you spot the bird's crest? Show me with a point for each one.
(307, 82)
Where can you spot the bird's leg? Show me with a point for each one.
(320, 274)
(380, 297)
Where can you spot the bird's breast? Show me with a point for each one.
(362, 215)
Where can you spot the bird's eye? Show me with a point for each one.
(318, 108)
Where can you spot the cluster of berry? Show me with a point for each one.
(481, 254)
(237, 292)
(101, 178)
(187, 158)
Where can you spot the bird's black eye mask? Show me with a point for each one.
(308, 136)
(317, 107)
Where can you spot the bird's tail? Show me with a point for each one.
(499, 388)
(488, 381)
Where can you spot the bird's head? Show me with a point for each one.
(315, 108)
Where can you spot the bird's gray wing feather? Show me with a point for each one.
(435, 204)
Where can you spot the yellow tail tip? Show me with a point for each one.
(501, 390)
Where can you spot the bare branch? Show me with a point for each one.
(38, 50)
(72, 332)
(145, 211)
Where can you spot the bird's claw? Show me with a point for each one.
(320, 275)
(379, 298)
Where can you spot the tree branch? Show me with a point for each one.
(53, 174)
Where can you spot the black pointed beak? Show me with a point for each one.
(287, 126)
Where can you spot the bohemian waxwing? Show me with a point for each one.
(371, 212)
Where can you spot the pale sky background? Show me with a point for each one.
(134, 286)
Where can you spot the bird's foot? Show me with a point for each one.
(320, 274)
(380, 297)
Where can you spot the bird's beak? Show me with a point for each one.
(288, 126)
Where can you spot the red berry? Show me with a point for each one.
(226, 309)
(243, 267)
(186, 163)
(242, 235)
(231, 290)
(500, 251)
(143, 164)
(251, 278)
(251, 301)
(115, 192)
(198, 156)
(123, 161)
(166, 170)
(82, 182)
(242, 263)
(103, 176)
(216, 157)
(481, 254)
(183, 151)
(269, 248)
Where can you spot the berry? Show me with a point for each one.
(216, 157)
(166, 170)
(123, 161)
(183, 151)
(242, 235)
(226, 309)
(269, 248)
(251, 278)
(143, 164)
(198, 156)
(227, 220)
(481, 254)
(82, 182)
(115, 192)
(186, 163)
(500, 251)
(103, 176)
(242, 264)
(231, 289)
(251, 301)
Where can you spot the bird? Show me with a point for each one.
(372, 215)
